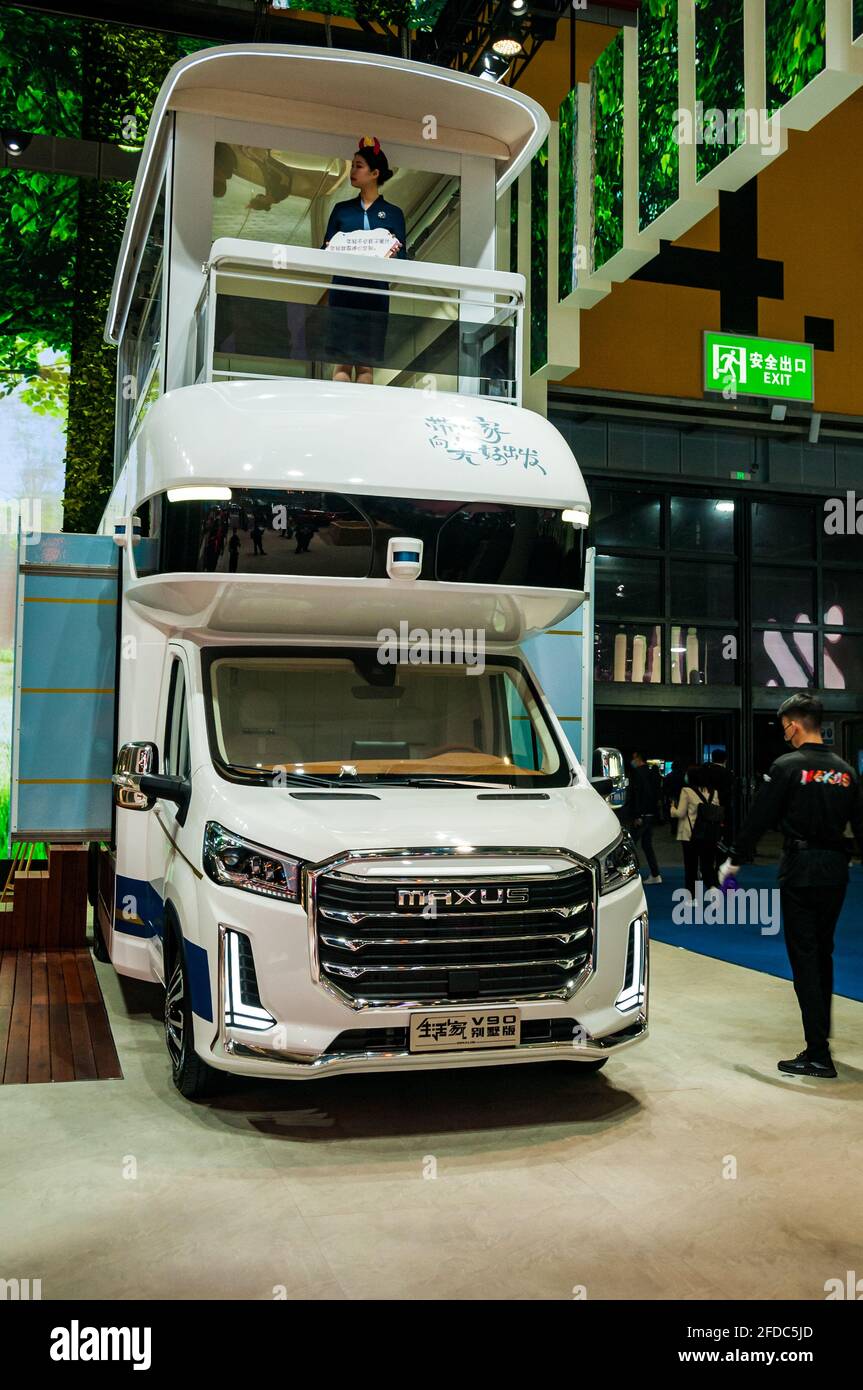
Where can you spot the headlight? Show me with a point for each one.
(617, 864)
(240, 864)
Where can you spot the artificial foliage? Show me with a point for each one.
(60, 234)
(513, 227)
(719, 72)
(102, 209)
(795, 47)
(123, 73)
(539, 259)
(858, 18)
(40, 73)
(567, 271)
(396, 14)
(606, 100)
(658, 152)
(39, 221)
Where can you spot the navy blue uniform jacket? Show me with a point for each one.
(348, 217)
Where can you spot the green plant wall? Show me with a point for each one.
(539, 259)
(658, 151)
(858, 18)
(38, 231)
(411, 14)
(567, 183)
(606, 100)
(123, 73)
(513, 227)
(719, 80)
(40, 73)
(795, 47)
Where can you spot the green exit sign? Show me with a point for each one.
(765, 367)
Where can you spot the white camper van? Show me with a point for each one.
(349, 832)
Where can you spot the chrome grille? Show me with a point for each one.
(377, 940)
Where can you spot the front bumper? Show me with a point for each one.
(270, 1062)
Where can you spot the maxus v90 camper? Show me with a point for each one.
(347, 831)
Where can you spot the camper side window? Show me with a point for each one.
(178, 761)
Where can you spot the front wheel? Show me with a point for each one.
(191, 1075)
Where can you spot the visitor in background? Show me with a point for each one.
(641, 810)
(723, 780)
(698, 813)
(672, 784)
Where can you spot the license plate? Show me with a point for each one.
(463, 1031)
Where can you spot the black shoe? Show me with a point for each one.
(803, 1065)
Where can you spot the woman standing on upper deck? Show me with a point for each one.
(357, 322)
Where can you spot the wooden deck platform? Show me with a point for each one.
(53, 1022)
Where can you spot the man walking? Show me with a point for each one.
(724, 784)
(810, 794)
(641, 810)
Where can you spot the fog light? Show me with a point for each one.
(634, 991)
(243, 1007)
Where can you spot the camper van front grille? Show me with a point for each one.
(451, 941)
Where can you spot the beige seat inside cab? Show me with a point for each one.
(257, 731)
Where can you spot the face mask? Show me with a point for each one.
(788, 739)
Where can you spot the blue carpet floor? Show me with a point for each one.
(745, 945)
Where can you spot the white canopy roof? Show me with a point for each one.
(338, 92)
(347, 438)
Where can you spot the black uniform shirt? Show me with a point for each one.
(810, 795)
(642, 796)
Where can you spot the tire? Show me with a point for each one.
(93, 849)
(100, 948)
(190, 1074)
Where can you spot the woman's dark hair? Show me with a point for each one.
(703, 775)
(376, 159)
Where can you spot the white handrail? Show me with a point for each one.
(277, 258)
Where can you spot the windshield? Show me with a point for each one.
(317, 714)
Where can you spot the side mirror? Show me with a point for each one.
(603, 785)
(138, 786)
(134, 761)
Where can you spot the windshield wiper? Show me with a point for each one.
(387, 781)
(299, 779)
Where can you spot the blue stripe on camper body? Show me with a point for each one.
(198, 972)
(139, 909)
(145, 917)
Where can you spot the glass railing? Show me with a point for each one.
(426, 326)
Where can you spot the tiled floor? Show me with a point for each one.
(688, 1169)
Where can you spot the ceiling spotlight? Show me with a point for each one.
(494, 68)
(15, 141)
(508, 44)
(518, 7)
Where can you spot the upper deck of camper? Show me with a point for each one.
(221, 273)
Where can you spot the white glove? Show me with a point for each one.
(727, 870)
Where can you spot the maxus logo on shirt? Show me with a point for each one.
(77, 1343)
(825, 774)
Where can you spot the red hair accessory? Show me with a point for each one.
(369, 142)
